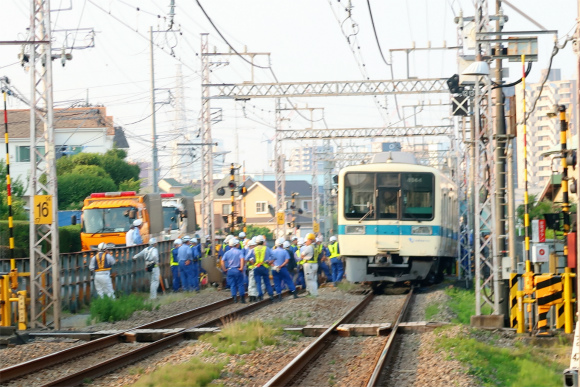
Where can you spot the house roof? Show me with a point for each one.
(86, 117)
(172, 182)
(302, 187)
(552, 188)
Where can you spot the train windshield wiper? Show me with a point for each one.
(367, 214)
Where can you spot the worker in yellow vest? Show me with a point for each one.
(261, 258)
(335, 261)
(101, 265)
(310, 265)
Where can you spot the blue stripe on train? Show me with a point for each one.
(403, 230)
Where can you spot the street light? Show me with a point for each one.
(478, 67)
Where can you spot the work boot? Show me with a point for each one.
(272, 299)
(235, 299)
(295, 293)
(279, 298)
(251, 298)
(243, 300)
(260, 298)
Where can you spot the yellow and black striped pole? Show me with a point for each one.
(565, 198)
(526, 196)
(9, 189)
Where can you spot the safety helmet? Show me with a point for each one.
(177, 241)
(242, 235)
(286, 244)
(152, 241)
(102, 246)
(233, 242)
(138, 222)
(193, 240)
(318, 239)
(252, 243)
(186, 239)
(259, 239)
(310, 236)
(279, 241)
(333, 238)
(300, 241)
(294, 238)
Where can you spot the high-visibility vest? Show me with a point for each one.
(102, 264)
(174, 261)
(260, 252)
(317, 252)
(333, 248)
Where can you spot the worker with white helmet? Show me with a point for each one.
(185, 258)
(137, 239)
(151, 256)
(252, 288)
(310, 265)
(280, 269)
(242, 239)
(321, 254)
(101, 264)
(129, 240)
(196, 262)
(233, 265)
(261, 259)
(174, 264)
(335, 261)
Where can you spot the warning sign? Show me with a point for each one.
(280, 217)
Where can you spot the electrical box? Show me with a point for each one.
(506, 268)
(540, 252)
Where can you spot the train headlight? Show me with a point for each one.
(421, 230)
(358, 230)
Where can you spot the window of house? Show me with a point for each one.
(261, 207)
(307, 205)
(23, 153)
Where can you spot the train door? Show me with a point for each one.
(388, 211)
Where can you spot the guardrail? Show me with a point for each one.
(77, 287)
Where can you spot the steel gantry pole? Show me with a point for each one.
(486, 257)
(44, 243)
(207, 147)
(280, 186)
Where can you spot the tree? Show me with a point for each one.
(92, 170)
(252, 231)
(17, 191)
(537, 209)
(130, 185)
(74, 188)
(119, 169)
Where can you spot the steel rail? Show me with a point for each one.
(387, 349)
(116, 362)
(28, 367)
(287, 374)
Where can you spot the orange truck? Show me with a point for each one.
(107, 216)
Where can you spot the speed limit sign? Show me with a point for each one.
(42, 209)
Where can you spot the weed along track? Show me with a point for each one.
(99, 357)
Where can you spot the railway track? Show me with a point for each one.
(308, 362)
(92, 348)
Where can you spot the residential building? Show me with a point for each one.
(543, 129)
(76, 130)
(303, 159)
(169, 185)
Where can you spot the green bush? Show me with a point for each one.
(70, 238)
(110, 310)
(74, 188)
(21, 238)
(119, 169)
(192, 373)
(92, 170)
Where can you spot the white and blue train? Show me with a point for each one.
(397, 221)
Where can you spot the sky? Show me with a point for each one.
(307, 40)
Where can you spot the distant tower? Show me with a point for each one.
(181, 157)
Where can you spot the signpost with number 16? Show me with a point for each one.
(42, 209)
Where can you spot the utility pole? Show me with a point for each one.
(155, 166)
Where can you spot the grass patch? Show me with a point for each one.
(346, 286)
(296, 318)
(110, 310)
(192, 373)
(431, 311)
(518, 366)
(243, 337)
(463, 304)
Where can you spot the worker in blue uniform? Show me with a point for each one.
(335, 261)
(280, 269)
(233, 264)
(185, 257)
(261, 259)
(196, 263)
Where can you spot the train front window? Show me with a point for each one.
(359, 195)
(417, 196)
